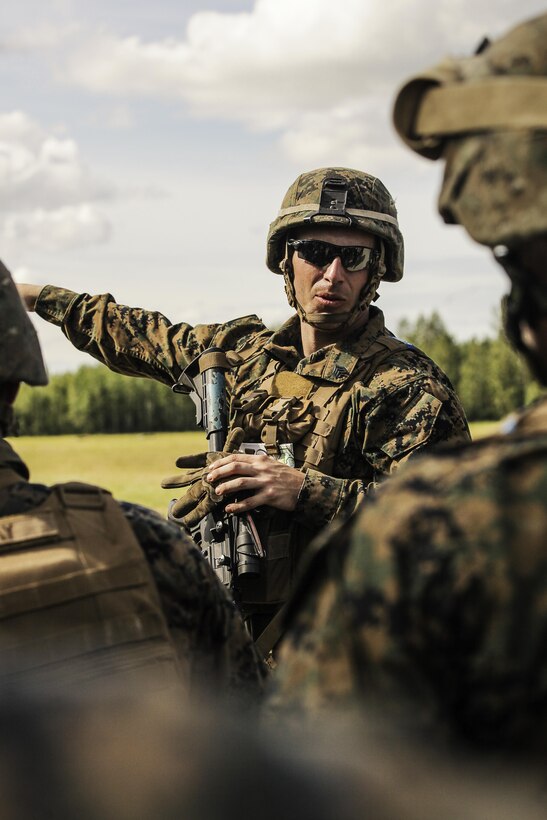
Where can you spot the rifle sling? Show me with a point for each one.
(269, 637)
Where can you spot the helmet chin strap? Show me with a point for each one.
(332, 322)
(526, 302)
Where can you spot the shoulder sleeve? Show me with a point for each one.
(134, 341)
(409, 406)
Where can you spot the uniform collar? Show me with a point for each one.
(285, 344)
(334, 363)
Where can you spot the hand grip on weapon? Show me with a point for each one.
(201, 498)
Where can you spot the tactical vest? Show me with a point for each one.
(77, 601)
(309, 413)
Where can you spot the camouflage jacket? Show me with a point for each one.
(434, 595)
(214, 650)
(404, 406)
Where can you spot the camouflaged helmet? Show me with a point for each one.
(339, 197)
(21, 358)
(486, 115)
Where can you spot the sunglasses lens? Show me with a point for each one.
(320, 254)
(315, 252)
(355, 258)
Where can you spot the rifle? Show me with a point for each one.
(230, 543)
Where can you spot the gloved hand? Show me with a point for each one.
(201, 498)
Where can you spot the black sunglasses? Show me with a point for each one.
(320, 254)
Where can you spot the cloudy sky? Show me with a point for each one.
(145, 147)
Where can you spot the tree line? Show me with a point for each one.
(488, 375)
(93, 399)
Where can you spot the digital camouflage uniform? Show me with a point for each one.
(400, 404)
(408, 404)
(432, 602)
(352, 410)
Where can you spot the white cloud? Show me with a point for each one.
(119, 118)
(246, 66)
(293, 66)
(47, 193)
(38, 169)
(263, 68)
(18, 129)
(357, 131)
(44, 36)
(56, 230)
(283, 57)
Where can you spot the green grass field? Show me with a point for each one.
(131, 466)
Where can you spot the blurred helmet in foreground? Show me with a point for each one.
(486, 116)
(20, 354)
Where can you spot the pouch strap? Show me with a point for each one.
(269, 637)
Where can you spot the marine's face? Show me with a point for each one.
(332, 288)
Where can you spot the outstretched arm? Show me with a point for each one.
(131, 340)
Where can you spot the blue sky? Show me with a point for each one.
(144, 148)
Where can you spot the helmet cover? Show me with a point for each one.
(338, 197)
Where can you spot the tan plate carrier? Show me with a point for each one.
(77, 599)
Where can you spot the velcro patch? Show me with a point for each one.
(287, 383)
